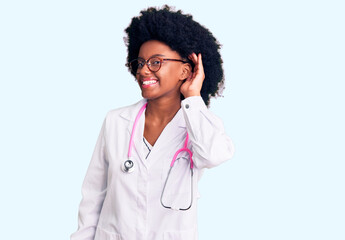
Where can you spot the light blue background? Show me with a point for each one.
(62, 69)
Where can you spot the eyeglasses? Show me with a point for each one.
(153, 63)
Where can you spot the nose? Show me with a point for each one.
(144, 70)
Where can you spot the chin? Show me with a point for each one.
(148, 96)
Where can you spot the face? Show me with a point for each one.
(166, 82)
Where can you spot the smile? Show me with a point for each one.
(149, 82)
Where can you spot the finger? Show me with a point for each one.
(189, 77)
(200, 65)
(193, 57)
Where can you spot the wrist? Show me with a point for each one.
(191, 94)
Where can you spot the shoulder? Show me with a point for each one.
(126, 112)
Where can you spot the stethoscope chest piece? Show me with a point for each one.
(127, 166)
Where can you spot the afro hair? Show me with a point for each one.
(183, 35)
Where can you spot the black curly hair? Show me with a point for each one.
(182, 34)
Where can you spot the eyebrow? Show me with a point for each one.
(154, 55)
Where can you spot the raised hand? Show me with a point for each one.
(192, 85)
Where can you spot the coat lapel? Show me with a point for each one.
(130, 114)
(170, 140)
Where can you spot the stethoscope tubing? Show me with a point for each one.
(181, 150)
(184, 149)
(128, 165)
(133, 130)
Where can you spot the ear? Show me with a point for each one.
(186, 71)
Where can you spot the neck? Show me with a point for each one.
(162, 110)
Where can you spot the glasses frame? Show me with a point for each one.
(161, 60)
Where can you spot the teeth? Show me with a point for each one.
(149, 82)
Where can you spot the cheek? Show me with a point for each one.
(169, 74)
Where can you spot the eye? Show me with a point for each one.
(155, 62)
(141, 64)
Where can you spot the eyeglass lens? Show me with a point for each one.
(154, 64)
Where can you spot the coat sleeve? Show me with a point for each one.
(209, 143)
(94, 189)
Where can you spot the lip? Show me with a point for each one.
(148, 79)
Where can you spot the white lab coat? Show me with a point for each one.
(126, 206)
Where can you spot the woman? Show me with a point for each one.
(142, 179)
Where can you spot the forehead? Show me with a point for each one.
(154, 47)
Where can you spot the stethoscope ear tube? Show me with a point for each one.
(191, 191)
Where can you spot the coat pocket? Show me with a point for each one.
(102, 234)
(181, 235)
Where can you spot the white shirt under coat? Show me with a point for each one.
(126, 206)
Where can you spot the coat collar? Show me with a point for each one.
(169, 132)
(129, 113)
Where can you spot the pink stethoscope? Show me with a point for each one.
(128, 165)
